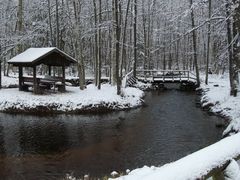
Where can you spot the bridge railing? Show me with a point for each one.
(214, 161)
(166, 74)
(126, 79)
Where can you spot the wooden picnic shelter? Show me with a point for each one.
(33, 57)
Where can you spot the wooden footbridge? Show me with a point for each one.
(161, 77)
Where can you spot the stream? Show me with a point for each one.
(48, 147)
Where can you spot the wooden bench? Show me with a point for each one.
(27, 82)
(43, 84)
(55, 82)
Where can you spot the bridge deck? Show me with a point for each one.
(166, 76)
(160, 76)
(166, 80)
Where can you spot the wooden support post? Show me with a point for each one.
(35, 83)
(163, 76)
(0, 74)
(63, 78)
(49, 70)
(20, 77)
(188, 76)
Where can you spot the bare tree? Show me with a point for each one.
(0, 68)
(229, 37)
(236, 44)
(57, 25)
(116, 45)
(78, 47)
(124, 38)
(19, 25)
(194, 38)
(99, 63)
(50, 24)
(135, 39)
(96, 41)
(209, 39)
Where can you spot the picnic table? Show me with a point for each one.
(44, 83)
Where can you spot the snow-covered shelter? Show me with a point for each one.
(33, 57)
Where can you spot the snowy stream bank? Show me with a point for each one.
(216, 98)
(73, 101)
(196, 165)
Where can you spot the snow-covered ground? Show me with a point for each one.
(217, 96)
(73, 100)
(143, 86)
(195, 165)
(9, 81)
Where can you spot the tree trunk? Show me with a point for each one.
(124, 39)
(144, 23)
(81, 73)
(209, 38)
(236, 46)
(99, 64)
(50, 24)
(57, 25)
(194, 36)
(135, 39)
(78, 47)
(96, 42)
(113, 59)
(229, 37)
(118, 31)
(20, 23)
(116, 40)
(0, 69)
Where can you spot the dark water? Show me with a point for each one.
(169, 128)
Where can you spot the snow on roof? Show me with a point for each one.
(30, 55)
(33, 54)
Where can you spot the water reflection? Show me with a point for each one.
(43, 138)
(2, 148)
(170, 127)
